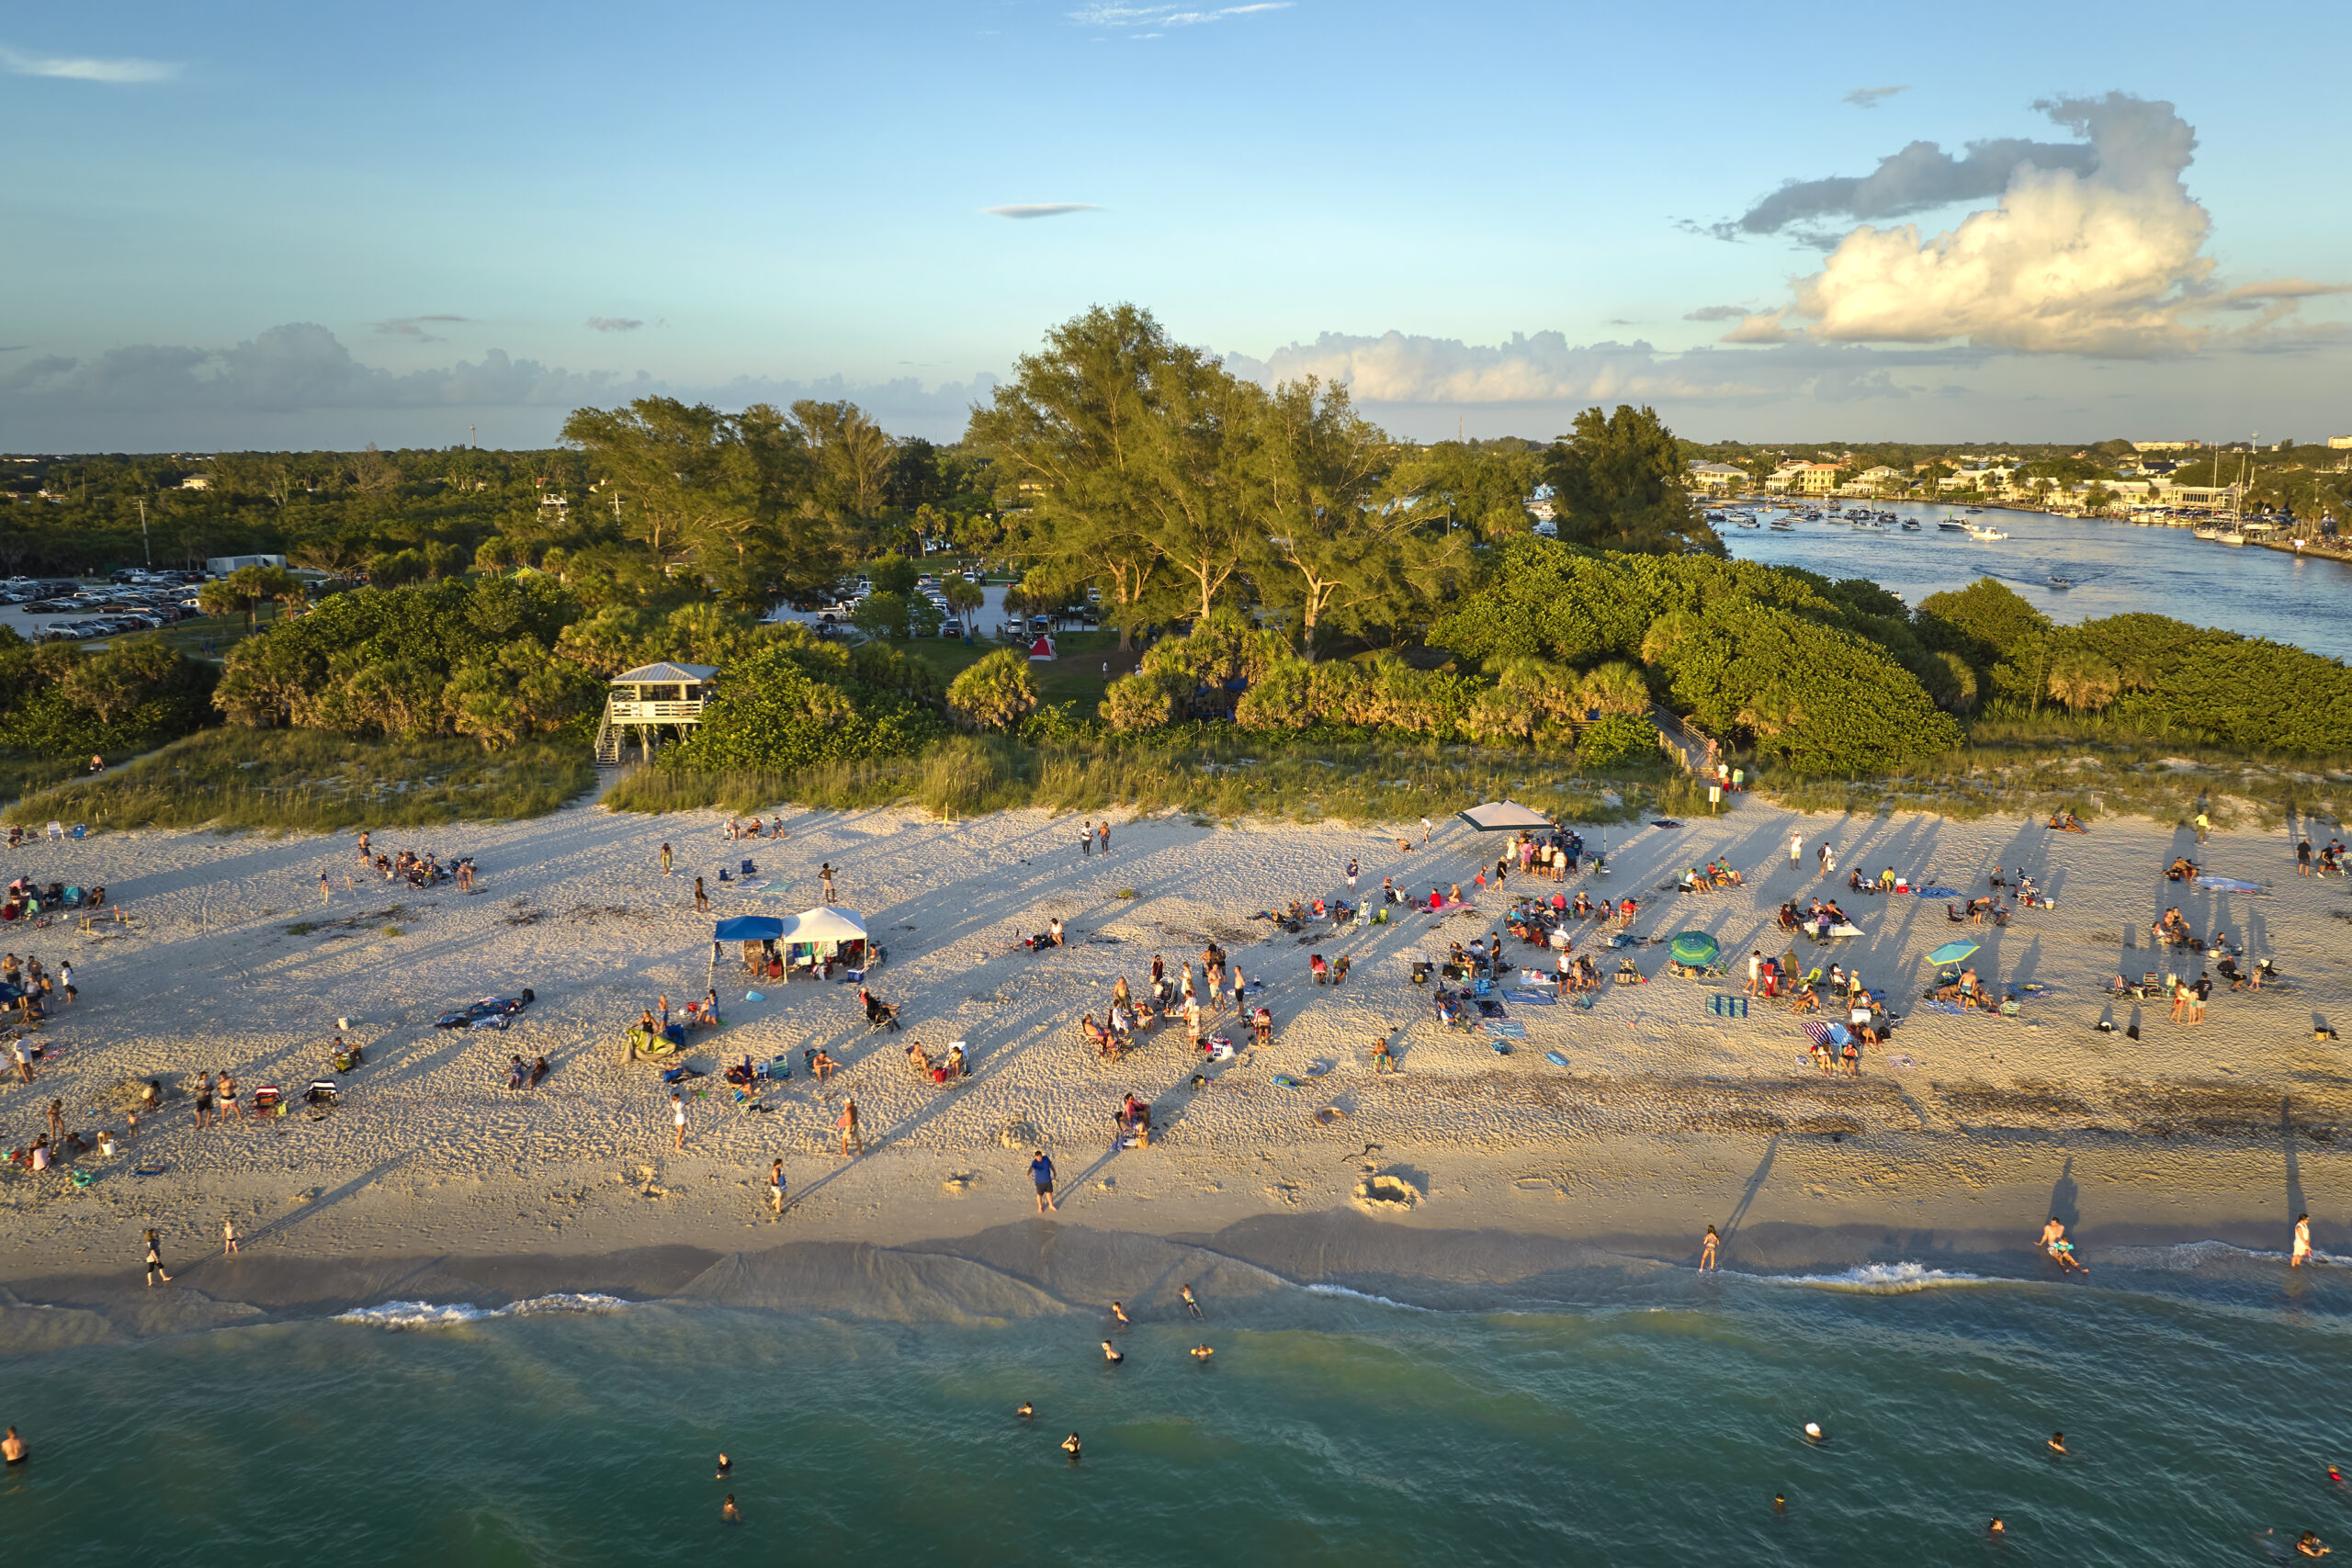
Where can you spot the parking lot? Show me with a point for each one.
(37, 610)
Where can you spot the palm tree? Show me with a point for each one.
(2082, 680)
(1614, 687)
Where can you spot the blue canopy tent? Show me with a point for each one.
(742, 928)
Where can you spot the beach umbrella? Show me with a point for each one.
(1952, 953)
(1693, 947)
(1503, 816)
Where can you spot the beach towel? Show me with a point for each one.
(1491, 1008)
(1503, 1028)
(2226, 884)
(1936, 892)
(1531, 999)
(1283, 1080)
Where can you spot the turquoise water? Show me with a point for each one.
(2116, 568)
(1649, 1420)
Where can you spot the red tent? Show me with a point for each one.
(1042, 648)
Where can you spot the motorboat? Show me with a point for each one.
(2060, 580)
(1951, 525)
(1746, 523)
(2209, 533)
(1778, 527)
(1986, 534)
(2233, 537)
(1910, 525)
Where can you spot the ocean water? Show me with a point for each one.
(2116, 568)
(1650, 1419)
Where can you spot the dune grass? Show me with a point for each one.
(1221, 776)
(20, 776)
(314, 781)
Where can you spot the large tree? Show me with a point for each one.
(1068, 437)
(1620, 482)
(1338, 548)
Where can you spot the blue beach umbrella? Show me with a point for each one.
(1952, 953)
(1693, 947)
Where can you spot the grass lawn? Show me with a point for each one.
(1075, 676)
(316, 781)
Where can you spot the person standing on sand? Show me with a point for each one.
(2203, 827)
(702, 899)
(1191, 1305)
(2303, 856)
(825, 875)
(1352, 874)
(1755, 970)
(1041, 1172)
(326, 894)
(228, 1237)
(1103, 837)
(1425, 832)
(155, 1261)
(2303, 1243)
(1086, 839)
(665, 860)
(848, 1124)
(678, 1115)
(1707, 1245)
(1796, 848)
(775, 1188)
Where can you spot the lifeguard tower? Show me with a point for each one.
(651, 697)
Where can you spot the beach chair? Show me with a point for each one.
(2147, 984)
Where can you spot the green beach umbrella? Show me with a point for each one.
(1952, 953)
(1693, 947)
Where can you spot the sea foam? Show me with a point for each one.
(440, 1315)
(1879, 1279)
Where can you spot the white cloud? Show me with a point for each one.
(87, 68)
(613, 323)
(1027, 209)
(1870, 97)
(1116, 16)
(1715, 313)
(2107, 261)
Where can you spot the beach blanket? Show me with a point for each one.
(1531, 999)
(1835, 933)
(1490, 1008)
(1503, 1028)
(2226, 884)
(1936, 892)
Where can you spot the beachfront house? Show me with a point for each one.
(1718, 479)
(650, 699)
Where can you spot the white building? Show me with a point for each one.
(1717, 479)
(221, 565)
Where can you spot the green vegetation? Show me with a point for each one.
(304, 780)
(59, 703)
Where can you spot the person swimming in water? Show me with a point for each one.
(1995, 1528)
(2058, 1443)
(726, 1468)
(2308, 1545)
(1069, 1446)
(729, 1513)
(1110, 1353)
(2336, 1475)
(1780, 1504)
(1202, 1352)
(1812, 1432)
(1025, 1410)
(12, 1447)
(1120, 1312)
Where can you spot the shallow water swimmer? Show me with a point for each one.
(2058, 1443)
(1025, 1410)
(1071, 1447)
(1995, 1529)
(1120, 1312)
(1203, 1352)
(1110, 1353)
(1812, 1432)
(729, 1513)
(1780, 1504)
(726, 1468)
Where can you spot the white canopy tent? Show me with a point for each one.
(1504, 817)
(825, 924)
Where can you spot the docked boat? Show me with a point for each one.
(2209, 533)
(2233, 537)
(1986, 534)
(1777, 527)
(1745, 523)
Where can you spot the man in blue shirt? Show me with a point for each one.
(1041, 1171)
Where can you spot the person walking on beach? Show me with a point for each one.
(1103, 837)
(1707, 1245)
(775, 1188)
(1086, 838)
(1191, 1305)
(678, 1115)
(228, 1237)
(1425, 832)
(2203, 827)
(702, 899)
(848, 1124)
(24, 1058)
(155, 1261)
(1352, 874)
(1796, 848)
(203, 1101)
(825, 875)
(2303, 856)
(1755, 970)
(364, 859)
(665, 860)
(2302, 1242)
(1041, 1172)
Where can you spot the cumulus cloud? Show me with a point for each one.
(1870, 97)
(1027, 209)
(1118, 16)
(2104, 260)
(1921, 177)
(299, 384)
(613, 323)
(87, 68)
(1715, 313)
(1543, 371)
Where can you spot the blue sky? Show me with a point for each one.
(271, 224)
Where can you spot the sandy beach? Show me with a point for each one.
(431, 1180)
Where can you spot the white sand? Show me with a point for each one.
(1664, 1122)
